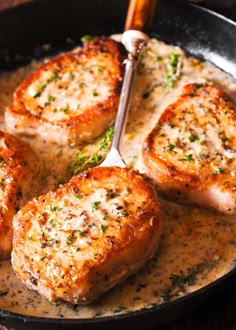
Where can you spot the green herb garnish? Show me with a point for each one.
(49, 100)
(180, 279)
(105, 216)
(170, 146)
(119, 309)
(86, 38)
(52, 209)
(159, 126)
(95, 205)
(147, 94)
(173, 70)
(165, 295)
(84, 161)
(102, 228)
(112, 195)
(219, 170)
(193, 138)
(99, 313)
(188, 158)
(69, 239)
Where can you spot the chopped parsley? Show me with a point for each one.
(201, 156)
(193, 138)
(100, 69)
(42, 244)
(112, 195)
(147, 94)
(219, 170)
(95, 205)
(159, 126)
(51, 221)
(37, 94)
(119, 309)
(99, 313)
(180, 279)
(180, 282)
(49, 100)
(86, 38)
(105, 216)
(52, 209)
(81, 84)
(225, 139)
(65, 110)
(69, 239)
(157, 58)
(56, 78)
(75, 248)
(173, 69)
(188, 158)
(124, 213)
(165, 295)
(102, 228)
(75, 193)
(170, 146)
(42, 88)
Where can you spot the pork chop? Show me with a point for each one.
(19, 181)
(191, 152)
(76, 243)
(72, 98)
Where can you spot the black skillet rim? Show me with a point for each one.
(141, 314)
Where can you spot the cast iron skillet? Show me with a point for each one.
(199, 31)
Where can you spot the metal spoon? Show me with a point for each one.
(138, 22)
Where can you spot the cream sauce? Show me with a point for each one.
(197, 247)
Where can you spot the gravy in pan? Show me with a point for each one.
(197, 247)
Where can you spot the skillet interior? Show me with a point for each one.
(199, 32)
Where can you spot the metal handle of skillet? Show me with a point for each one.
(138, 22)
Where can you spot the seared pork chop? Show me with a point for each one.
(191, 152)
(76, 243)
(19, 171)
(71, 98)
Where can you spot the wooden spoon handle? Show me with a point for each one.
(140, 15)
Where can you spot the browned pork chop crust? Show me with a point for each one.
(191, 152)
(76, 243)
(19, 171)
(71, 98)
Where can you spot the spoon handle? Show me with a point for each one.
(140, 15)
(134, 40)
